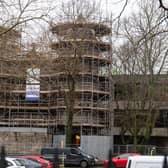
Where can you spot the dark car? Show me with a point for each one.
(69, 156)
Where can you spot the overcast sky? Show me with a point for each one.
(106, 6)
(116, 6)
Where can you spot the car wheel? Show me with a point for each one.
(83, 164)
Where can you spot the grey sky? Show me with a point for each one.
(116, 6)
(106, 6)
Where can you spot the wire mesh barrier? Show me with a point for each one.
(16, 148)
(25, 148)
(143, 149)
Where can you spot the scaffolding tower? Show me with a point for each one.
(92, 87)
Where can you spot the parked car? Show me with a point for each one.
(29, 163)
(40, 159)
(70, 156)
(13, 163)
(147, 162)
(120, 161)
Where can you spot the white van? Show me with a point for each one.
(145, 162)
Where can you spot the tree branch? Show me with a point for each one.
(162, 5)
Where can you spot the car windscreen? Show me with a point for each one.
(18, 162)
(27, 162)
(83, 153)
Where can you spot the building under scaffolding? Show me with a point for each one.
(34, 88)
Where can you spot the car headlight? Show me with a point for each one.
(96, 160)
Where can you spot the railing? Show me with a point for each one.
(143, 149)
(50, 103)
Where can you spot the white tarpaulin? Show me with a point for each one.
(33, 84)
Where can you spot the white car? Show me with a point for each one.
(146, 162)
(13, 163)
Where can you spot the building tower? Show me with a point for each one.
(81, 41)
(34, 112)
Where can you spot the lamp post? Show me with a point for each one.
(165, 164)
(110, 163)
(3, 163)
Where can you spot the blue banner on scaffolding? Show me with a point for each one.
(33, 84)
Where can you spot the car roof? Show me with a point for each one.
(127, 154)
(35, 157)
(147, 158)
(10, 158)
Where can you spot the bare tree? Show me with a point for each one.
(73, 43)
(15, 13)
(142, 63)
(163, 4)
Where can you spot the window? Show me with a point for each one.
(74, 151)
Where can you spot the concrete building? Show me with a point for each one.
(142, 98)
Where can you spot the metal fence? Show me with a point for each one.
(90, 146)
(118, 149)
(143, 149)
